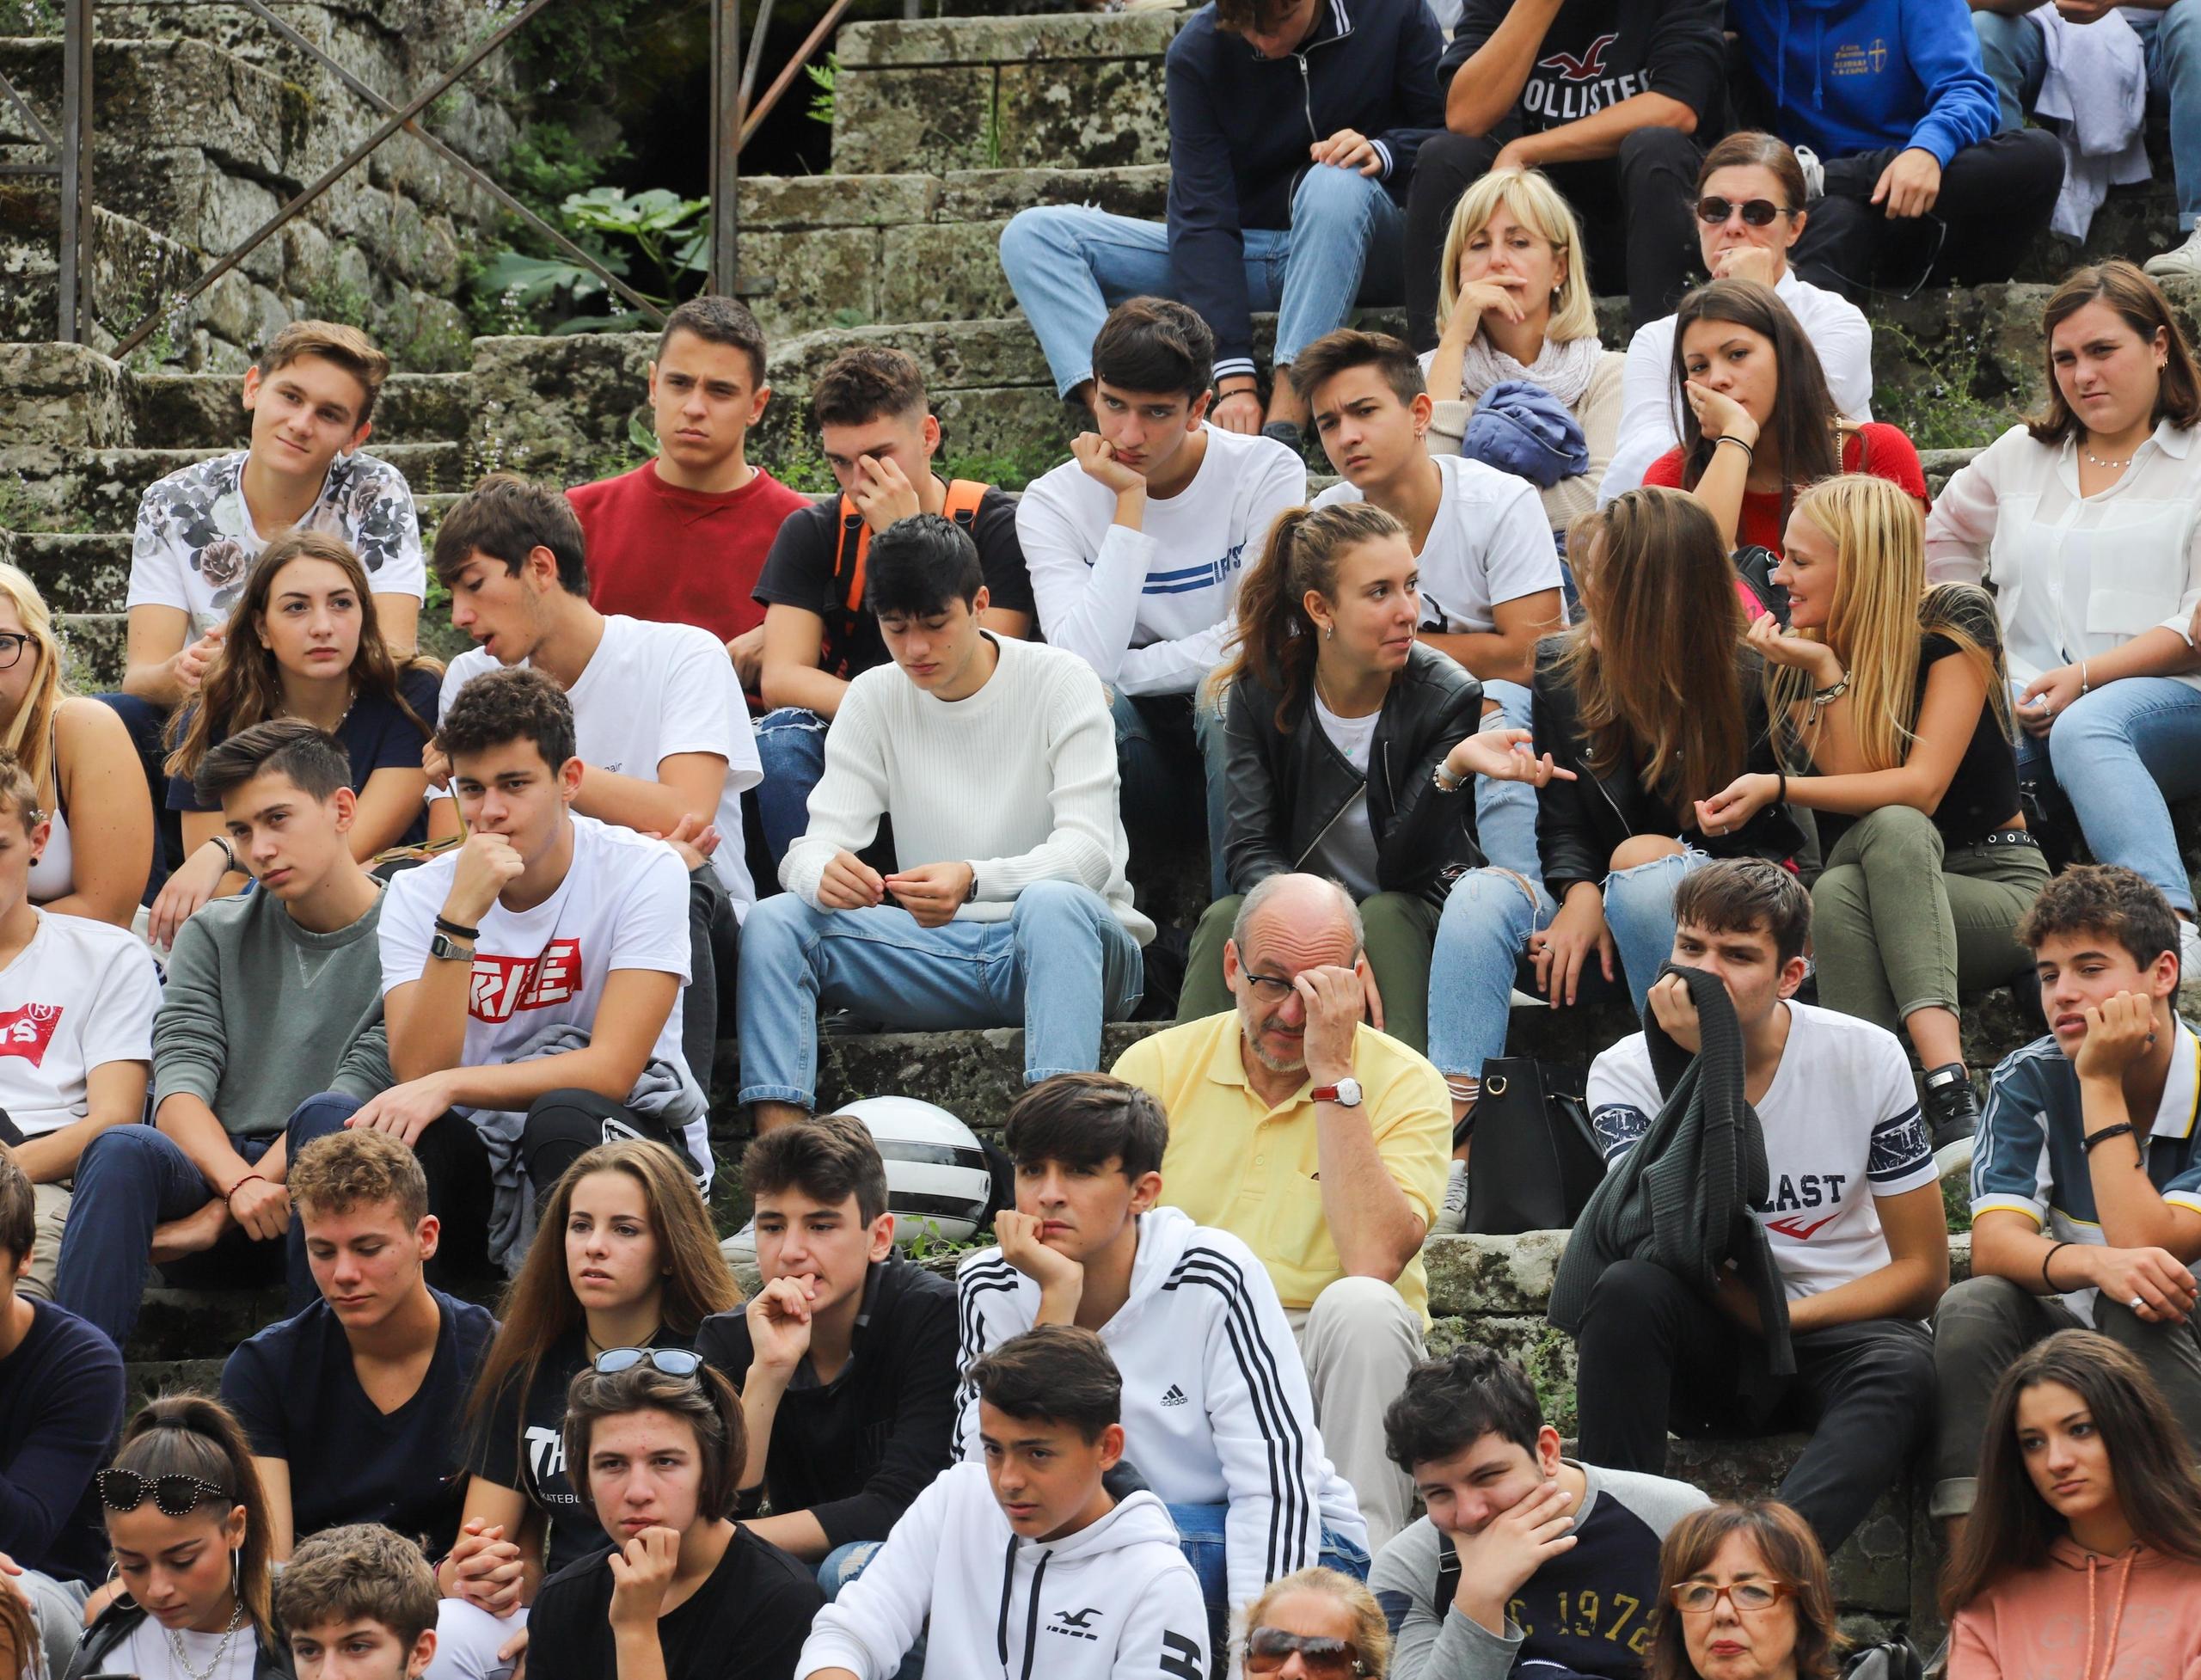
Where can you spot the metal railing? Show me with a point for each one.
(733, 121)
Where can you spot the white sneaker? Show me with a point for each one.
(740, 1249)
(1452, 1218)
(2181, 262)
(2189, 951)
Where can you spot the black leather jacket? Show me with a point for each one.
(118, 1620)
(1580, 823)
(1285, 789)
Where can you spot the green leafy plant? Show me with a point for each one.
(823, 77)
(656, 241)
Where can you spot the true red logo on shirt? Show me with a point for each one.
(26, 1031)
(1587, 68)
(504, 984)
(1801, 1231)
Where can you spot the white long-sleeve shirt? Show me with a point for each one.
(2074, 576)
(1018, 779)
(1837, 328)
(1217, 1409)
(1151, 609)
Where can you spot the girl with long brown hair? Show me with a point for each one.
(1895, 698)
(625, 1256)
(304, 640)
(2087, 516)
(80, 757)
(1654, 702)
(1351, 747)
(1757, 422)
(190, 1529)
(2087, 1522)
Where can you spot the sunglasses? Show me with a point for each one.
(175, 1496)
(1268, 1648)
(1757, 212)
(1701, 1597)
(672, 1361)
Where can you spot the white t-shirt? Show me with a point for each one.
(82, 993)
(146, 1653)
(1347, 849)
(1490, 542)
(196, 541)
(649, 691)
(1841, 1127)
(622, 905)
(1151, 609)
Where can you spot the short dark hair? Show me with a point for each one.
(18, 1208)
(1748, 895)
(359, 1573)
(2108, 899)
(296, 751)
(358, 1168)
(828, 1159)
(865, 383)
(1347, 348)
(706, 1402)
(1086, 1119)
(717, 320)
(511, 703)
(920, 564)
(1449, 1404)
(1236, 16)
(1158, 345)
(505, 517)
(1058, 1374)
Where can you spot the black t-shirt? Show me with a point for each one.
(523, 1447)
(855, 1451)
(799, 573)
(376, 735)
(746, 1622)
(294, 1389)
(1599, 52)
(61, 1397)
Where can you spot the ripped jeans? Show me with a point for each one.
(1487, 919)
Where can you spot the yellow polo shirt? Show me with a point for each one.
(1234, 1162)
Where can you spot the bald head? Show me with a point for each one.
(1302, 919)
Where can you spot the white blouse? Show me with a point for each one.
(2074, 576)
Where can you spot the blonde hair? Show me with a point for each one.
(1371, 1634)
(29, 733)
(1881, 608)
(1537, 204)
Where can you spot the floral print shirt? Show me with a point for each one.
(195, 540)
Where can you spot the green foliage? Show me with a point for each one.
(31, 17)
(548, 164)
(1943, 410)
(656, 241)
(330, 299)
(1956, 1204)
(822, 77)
(800, 466)
(929, 1244)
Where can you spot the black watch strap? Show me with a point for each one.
(456, 930)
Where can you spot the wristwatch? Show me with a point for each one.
(444, 948)
(1345, 1094)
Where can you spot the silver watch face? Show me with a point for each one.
(1348, 1094)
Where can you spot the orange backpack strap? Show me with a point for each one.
(964, 495)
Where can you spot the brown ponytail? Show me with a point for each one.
(190, 1435)
(1275, 640)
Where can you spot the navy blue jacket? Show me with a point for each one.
(1240, 127)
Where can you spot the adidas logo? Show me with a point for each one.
(1175, 1396)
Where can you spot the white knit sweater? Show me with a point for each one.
(1018, 779)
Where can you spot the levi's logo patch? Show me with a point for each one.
(26, 1030)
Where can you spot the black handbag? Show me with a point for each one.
(1536, 1158)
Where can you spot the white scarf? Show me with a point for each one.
(1564, 370)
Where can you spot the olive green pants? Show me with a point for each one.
(1399, 930)
(1900, 924)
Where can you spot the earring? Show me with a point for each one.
(1328, 630)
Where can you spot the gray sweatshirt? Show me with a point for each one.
(259, 1014)
(1587, 1612)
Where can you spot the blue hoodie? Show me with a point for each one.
(1852, 76)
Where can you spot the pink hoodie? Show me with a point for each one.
(2136, 1616)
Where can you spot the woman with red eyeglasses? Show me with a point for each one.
(1744, 1594)
(1316, 1625)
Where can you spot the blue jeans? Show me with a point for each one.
(2012, 53)
(791, 746)
(130, 1179)
(1488, 917)
(883, 965)
(2121, 754)
(1200, 1537)
(842, 1565)
(1069, 265)
(1640, 911)
(1505, 812)
(1171, 751)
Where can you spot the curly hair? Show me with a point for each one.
(511, 703)
(359, 1573)
(359, 1168)
(867, 383)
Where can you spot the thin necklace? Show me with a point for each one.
(351, 699)
(221, 1651)
(2095, 460)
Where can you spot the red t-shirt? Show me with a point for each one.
(680, 556)
(1875, 447)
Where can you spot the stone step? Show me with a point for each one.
(204, 411)
(98, 489)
